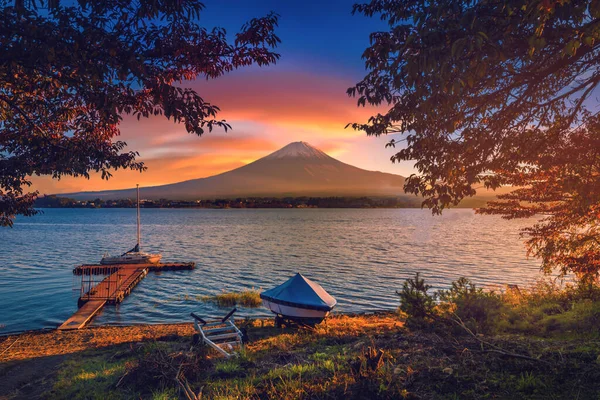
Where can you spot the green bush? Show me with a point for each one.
(587, 288)
(548, 308)
(553, 309)
(582, 319)
(415, 301)
(480, 311)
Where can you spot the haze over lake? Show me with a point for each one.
(360, 256)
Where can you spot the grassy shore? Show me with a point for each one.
(542, 344)
(364, 356)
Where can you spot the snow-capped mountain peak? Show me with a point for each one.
(298, 150)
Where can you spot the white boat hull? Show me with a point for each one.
(295, 312)
(132, 258)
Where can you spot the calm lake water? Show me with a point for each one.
(360, 256)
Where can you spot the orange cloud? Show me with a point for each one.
(267, 109)
(286, 99)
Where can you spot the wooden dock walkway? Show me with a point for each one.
(118, 284)
(83, 315)
(99, 269)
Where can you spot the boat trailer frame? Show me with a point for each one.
(220, 334)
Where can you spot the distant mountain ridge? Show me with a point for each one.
(297, 169)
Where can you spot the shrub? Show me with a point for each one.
(245, 298)
(587, 288)
(478, 310)
(415, 301)
(548, 308)
(551, 308)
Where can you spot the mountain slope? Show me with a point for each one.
(297, 169)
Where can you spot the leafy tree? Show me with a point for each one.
(69, 72)
(495, 93)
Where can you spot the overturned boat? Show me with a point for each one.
(299, 299)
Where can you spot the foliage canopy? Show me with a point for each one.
(70, 72)
(496, 93)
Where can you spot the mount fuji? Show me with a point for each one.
(297, 169)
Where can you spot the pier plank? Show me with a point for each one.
(116, 286)
(83, 315)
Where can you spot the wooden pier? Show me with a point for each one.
(119, 281)
(99, 269)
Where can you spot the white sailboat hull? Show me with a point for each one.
(132, 258)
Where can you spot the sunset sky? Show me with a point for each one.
(302, 97)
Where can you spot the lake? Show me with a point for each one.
(360, 256)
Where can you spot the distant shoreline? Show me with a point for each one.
(364, 202)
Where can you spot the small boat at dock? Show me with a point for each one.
(135, 255)
(299, 299)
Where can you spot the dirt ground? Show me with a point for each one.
(324, 361)
(29, 361)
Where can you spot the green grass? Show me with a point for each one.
(297, 371)
(529, 383)
(334, 362)
(90, 377)
(228, 367)
(245, 298)
(165, 394)
(556, 327)
(547, 310)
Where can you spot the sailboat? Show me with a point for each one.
(135, 255)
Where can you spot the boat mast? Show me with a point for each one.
(138, 216)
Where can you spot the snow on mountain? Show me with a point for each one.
(298, 150)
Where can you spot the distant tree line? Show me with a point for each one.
(245, 202)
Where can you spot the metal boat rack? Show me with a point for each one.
(220, 334)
